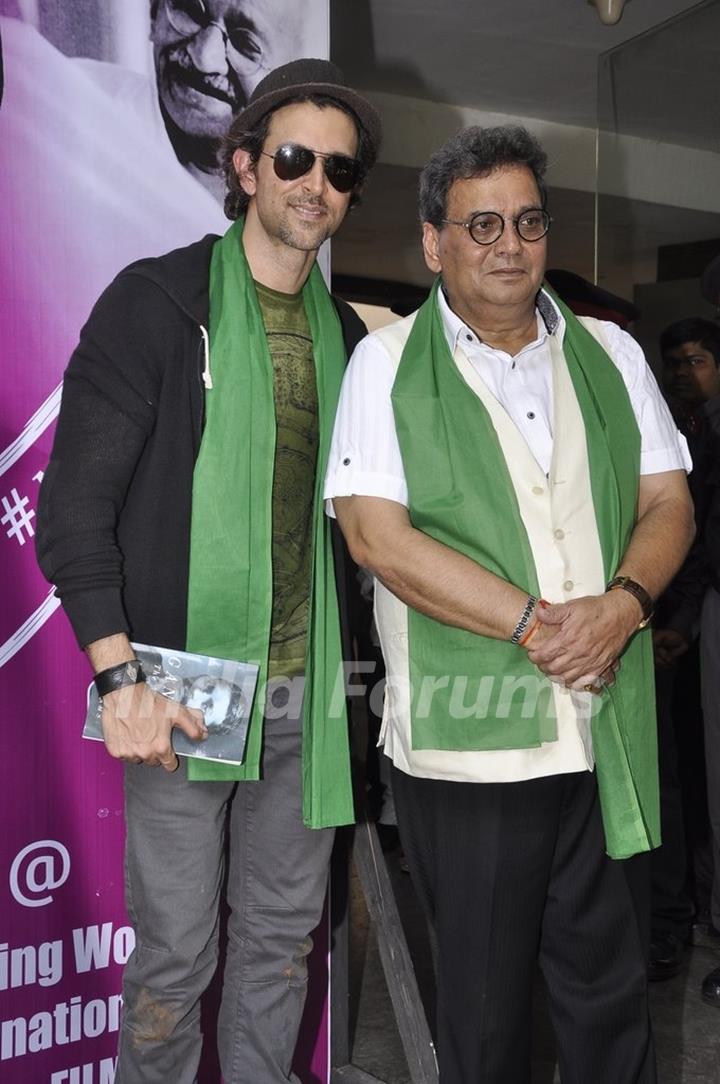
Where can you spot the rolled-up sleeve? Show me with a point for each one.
(365, 457)
(662, 447)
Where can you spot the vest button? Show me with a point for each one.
(538, 491)
(559, 533)
(568, 585)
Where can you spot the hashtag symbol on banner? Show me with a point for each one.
(18, 517)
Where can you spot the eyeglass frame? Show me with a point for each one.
(504, 221)
(323, 156)
(201, 27)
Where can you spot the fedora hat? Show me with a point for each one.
(303, 77)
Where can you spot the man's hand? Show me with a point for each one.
(137, 724)
(590, 634)
(668, 646)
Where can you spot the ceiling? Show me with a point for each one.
(535, 59)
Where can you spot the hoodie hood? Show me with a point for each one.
(184, 275)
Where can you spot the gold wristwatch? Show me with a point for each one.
(638, 592)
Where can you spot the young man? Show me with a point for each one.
(181, 508)
(490, 450)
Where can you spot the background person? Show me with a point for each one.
(691, 380)
(209, 55)
(691, 371)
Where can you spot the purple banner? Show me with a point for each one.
(90, 179)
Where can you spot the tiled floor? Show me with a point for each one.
(687, 1032)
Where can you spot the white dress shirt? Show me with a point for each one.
(518, 392)
(365, 455)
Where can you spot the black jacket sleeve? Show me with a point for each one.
(350, 601)
(106, 415)
(353, 328)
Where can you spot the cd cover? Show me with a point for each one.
(222, 688)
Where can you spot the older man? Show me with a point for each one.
(513, 478)
(180, 508)
(209, 55)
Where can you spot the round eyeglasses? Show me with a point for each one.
(486, 227)
(190, 17)
(291, 161)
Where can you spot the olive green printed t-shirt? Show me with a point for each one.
(296, 415)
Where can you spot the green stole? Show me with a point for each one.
(230, 587)
(461, 493)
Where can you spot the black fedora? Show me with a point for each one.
(309, 76)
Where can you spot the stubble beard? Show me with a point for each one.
(294, 238)
(305, 237)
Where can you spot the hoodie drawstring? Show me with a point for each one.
(206, 374)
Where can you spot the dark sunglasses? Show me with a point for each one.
(292, 161)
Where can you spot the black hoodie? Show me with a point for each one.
(113, 530)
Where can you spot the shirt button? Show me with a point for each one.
(530, 414)
(538, 491)
(469, 337)
(559, 533)
(346, 462)
(568, 585)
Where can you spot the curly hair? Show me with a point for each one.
(477, 152)
(253, 141)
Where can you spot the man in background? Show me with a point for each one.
(690, 351)
(209, 55)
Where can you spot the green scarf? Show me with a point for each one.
(230, 587)
(460, 493)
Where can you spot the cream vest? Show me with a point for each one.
(559, 518)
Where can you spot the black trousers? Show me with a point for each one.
(515, 873)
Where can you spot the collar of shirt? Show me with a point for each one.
(550, 322)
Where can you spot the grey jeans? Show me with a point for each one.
(276, 884)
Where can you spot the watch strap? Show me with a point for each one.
(117, 677)
(624, 583)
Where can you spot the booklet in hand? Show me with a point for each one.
(222, 688)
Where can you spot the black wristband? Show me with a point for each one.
(117, 677)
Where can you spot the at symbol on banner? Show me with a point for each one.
(18, 516)
(39, 867)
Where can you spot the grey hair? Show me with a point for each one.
(477, 152)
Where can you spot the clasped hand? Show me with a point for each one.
(579, 642)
